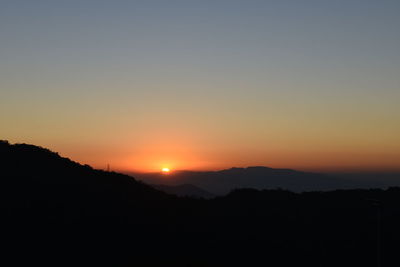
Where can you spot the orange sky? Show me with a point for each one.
(180, 153)
(139, 86)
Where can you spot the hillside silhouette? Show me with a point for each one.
(58, 212)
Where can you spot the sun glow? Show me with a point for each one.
(165, 170)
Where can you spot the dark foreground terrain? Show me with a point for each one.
(57, 212)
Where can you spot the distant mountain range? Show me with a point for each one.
(259, 177)
(224, 181)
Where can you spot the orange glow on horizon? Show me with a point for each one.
(186, 150)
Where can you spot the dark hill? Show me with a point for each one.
(39, 173)
(59, 213)
(52, 205)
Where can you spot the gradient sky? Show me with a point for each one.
(311, 85)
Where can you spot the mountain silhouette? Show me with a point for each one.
(49, 202)
(57, 212)
(224, 181)
(48, 173)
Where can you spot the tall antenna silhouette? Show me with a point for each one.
(108, 167)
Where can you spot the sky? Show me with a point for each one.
(204, 85)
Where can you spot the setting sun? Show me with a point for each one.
(165, 170)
